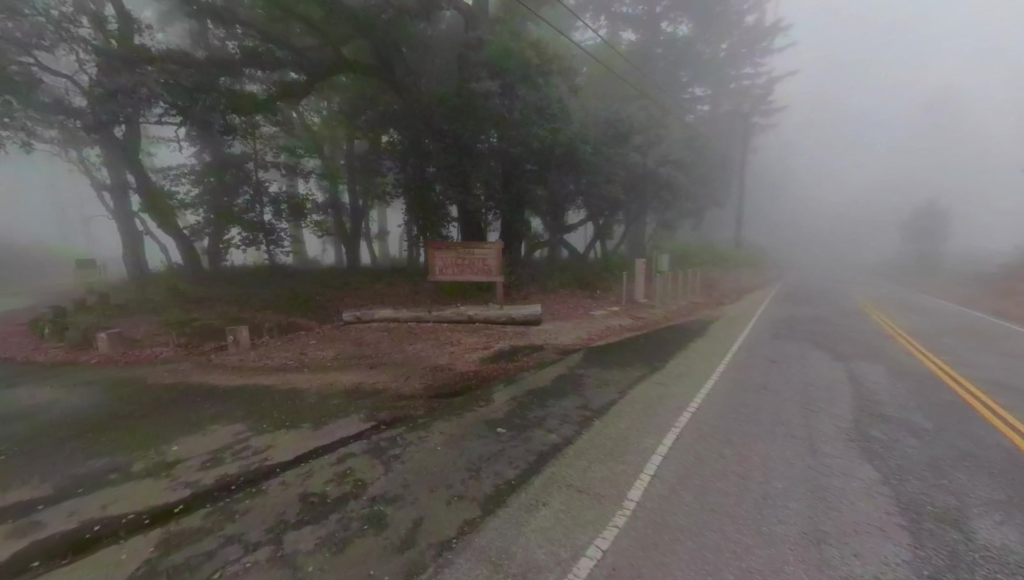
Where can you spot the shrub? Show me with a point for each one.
(604, 273)
(714, 256)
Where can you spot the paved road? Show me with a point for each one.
(825, 450)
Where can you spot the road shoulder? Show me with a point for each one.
(546, 527)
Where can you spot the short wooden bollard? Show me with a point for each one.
(625, 283)
(110, 341)
(639, 277)
(238, 338)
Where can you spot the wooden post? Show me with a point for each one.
(499, 292)
(657, 289)
(110, 342)
(238, 338)
(639, 278)
(625, 278)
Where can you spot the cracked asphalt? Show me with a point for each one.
(825, 450)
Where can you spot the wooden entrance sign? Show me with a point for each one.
(467, 262)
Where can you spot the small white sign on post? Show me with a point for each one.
(662, 265)
(639, 277)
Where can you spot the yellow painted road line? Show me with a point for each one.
(978, 393)
(998, 417)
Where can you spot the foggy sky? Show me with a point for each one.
(896, 101)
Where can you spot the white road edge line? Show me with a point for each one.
(974, 312)
(604, 541)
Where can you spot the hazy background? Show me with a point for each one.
(895, 102)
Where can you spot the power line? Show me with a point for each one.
(614, 48)
(639, 91)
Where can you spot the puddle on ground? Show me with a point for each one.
(391, 503)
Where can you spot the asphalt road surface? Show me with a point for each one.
(858, 432)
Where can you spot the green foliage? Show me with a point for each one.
(604, 274)
(470, 117)
(685, 256)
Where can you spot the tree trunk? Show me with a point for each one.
(130, 244)
(368, 238)
(514, 223)
(215, 244)
(356, 207)
(148, 231)
(353, 252)
(337, 216)
(555, 236)
(133, 243)
(154, 200)
(339, 252)
(411, 259)
(594, 240)
(636, 236)
(471, 223)
(570, 250)
(217, 190)
(338, 223)
(383, 237)
(296, 215)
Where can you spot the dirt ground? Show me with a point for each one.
(108, 477)
(400, 358)
(999, 294)
(366, 448)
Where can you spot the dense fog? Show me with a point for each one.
(892, 105)
(896, 103)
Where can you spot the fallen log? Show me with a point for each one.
(526, 315)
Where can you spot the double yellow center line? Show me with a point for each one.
(1002, 420)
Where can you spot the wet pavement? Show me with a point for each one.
(103, 476)
(825, 449)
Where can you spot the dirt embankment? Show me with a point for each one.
(400, 358)
(390, 443)
(210, 491)
(999, 294)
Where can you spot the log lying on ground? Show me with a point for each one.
(528, 315)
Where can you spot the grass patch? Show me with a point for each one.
(270, 289)
(602, 274)
(711, 256)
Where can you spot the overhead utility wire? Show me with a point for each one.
(614, 48)
(639, 91)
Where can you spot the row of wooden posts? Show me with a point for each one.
(667, 287)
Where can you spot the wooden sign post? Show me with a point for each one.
(639, 279)
(467, 262)
(87, 273)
